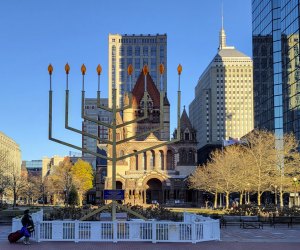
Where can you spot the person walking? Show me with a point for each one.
(28, 226)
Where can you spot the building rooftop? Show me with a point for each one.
(230, 52)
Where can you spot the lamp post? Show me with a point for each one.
(113, 142)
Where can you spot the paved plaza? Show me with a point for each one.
(232, 238)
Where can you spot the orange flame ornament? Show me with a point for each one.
(83, 69)
(50, 69)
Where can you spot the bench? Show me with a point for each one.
(251, 222)
(295, 220)
(281, 220)
(246, 222)
(230, 220)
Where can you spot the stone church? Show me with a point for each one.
(159, 175)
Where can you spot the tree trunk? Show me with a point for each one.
(80, 198)
(281, 198)
(227, 200)
(241, 197)
(216, 200)
(15, 198)
(258, 198)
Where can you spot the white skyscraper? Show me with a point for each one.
(223, 103)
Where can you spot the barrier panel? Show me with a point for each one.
(193, 229)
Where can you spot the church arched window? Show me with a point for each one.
(152, 159)
(161, 160)
(170, 160)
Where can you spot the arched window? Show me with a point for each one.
(170, 160)
(186, 134)
(191, 156)
(183, 156)
(161, 160)
(145, 160)
(152, 159)
(136, 161)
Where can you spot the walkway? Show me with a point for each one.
(232, 238)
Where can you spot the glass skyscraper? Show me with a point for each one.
(275, 30)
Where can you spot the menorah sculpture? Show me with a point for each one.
(113, 126)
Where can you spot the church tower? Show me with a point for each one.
(153, 109)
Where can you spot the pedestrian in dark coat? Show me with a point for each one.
(28, 226)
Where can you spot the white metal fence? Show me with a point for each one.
(138, 230)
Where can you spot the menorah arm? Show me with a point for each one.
(89, 135)
(139, 135)
(95, 212)
(131, 211)
(147, 149)
(101, 106)
(145, 116)
(77, 130)
(80, 149)
(104, 108)
(107, 125)
(65, 143)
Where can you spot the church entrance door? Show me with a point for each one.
(154, 191)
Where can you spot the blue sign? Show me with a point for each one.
(113, 194)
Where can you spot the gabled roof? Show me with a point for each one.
(151, 137)
(138, 91)
(185, 121)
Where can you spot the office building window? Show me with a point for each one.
(122, 51)
(145, 61)
(129, 51)
(145, 51)
(153, 51)
(161, 51)
(153, 63)
(137, 51)
(137, 63)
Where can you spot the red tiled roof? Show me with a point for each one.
(138, 91)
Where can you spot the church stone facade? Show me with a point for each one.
(158, 175)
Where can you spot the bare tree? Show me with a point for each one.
(4, 181)
(60, 179)
(204, 179)
(31, 190)
(260, 153)
(229, 169)
(13, 179)
(258, 165)
(287, 165)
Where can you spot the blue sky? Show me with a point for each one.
(35, 33)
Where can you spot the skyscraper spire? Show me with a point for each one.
(222, 36)
(222, 16)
